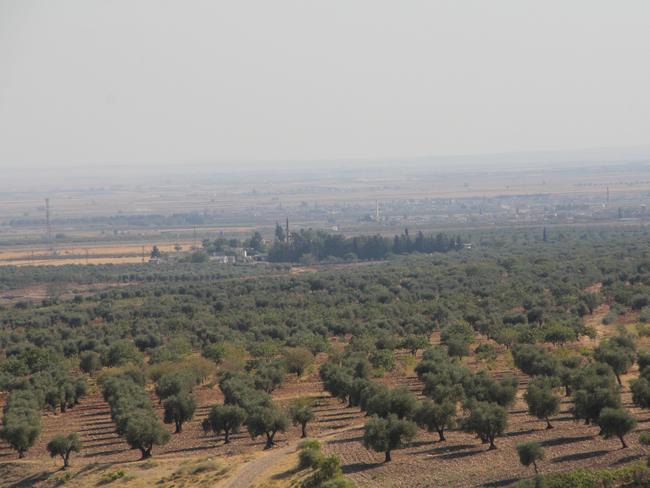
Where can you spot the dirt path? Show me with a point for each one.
(248, 473)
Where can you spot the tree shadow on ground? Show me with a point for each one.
(627, 459)
(461, 454)
(520, 432)
(358, 467)
(105, 453)
(499, 483)
(564, 440)
(578, 456)
(30, 481)
(188, 449)
(446, 449)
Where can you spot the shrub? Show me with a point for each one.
(309, 458)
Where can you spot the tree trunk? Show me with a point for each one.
(387, 457)
(146, 452)
(622, 441)
(269, 440)
(304, 430)
(21, 454)
(226, 438)
(618, 378)
(66, 460)
(179, 427)
(492, 446)
(535, 466)
(548, 424)
(441, 435)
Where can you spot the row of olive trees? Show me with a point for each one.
(53, 388)
(21, 424)
(132, 412)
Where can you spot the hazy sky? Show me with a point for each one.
(147, 81)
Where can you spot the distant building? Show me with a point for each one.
(232, 256)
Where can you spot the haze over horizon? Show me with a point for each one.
(154, 82)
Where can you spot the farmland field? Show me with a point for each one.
(92, 254)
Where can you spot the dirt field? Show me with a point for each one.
(90, 254)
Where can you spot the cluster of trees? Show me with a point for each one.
(245, 404)
(247, 387)
(396, 413)
(131, 410)
(174, 390)
(477, 403)
(641, 386)
(319, 245)
(410, 296)
(21, 423)
(593, 386)
(35, 379)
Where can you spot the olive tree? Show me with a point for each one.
(386, 434)
(267, 421)
(301, 413)
(143, 431)
(20, 434)
(542, 402)
(530, 453)
(486, 420)
(179, 409)
(224, 418)
(641, 392)
(594, 388)
(89, 362)
(297, 359)
(618, 352)
(64, 445)
(616, 422)
(436, 417)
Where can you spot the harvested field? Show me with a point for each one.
(90, 254)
